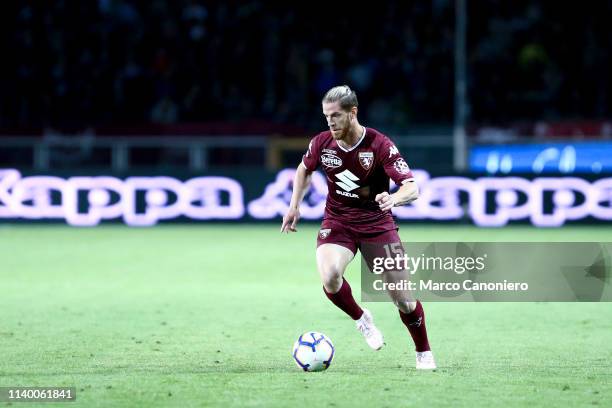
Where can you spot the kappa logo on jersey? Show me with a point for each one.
(347, 183)
(401, 166)
(393, 150)
(330, 160)
(324, 233)
(366, 159)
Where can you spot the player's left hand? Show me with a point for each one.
(385, 201)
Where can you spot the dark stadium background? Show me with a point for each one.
(83, 71)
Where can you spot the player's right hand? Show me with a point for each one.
(290, 220)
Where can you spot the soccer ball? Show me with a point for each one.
(313, 351)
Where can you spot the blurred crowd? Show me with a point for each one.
(71, 64)
(539, 60)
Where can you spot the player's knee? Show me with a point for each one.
(405, 306)
(331, 278)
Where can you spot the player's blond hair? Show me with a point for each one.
(345, 96)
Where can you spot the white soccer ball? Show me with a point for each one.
(313, 351)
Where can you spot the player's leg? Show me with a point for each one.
(334, 253)
(412, 315)
(410, 310)
(332, 260)
(335, 249)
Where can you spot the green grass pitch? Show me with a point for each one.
(206, 315)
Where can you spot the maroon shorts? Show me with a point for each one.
(371, 245)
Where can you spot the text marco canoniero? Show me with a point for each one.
(467, 285)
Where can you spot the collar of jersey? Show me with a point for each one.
(356, 144)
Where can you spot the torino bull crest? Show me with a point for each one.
(366, 159)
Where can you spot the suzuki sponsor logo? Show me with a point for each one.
(347, 180)
(347, 183)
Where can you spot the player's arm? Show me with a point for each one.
(407, 193)
(397, 169)
(301, 184)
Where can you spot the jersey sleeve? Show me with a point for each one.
(394, 164)
(312, 155)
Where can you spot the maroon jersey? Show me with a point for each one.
(356, 175)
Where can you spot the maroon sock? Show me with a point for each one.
(345, 301)
(415, 322)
